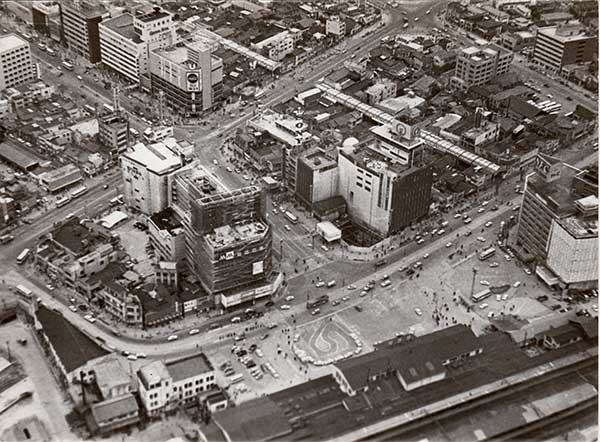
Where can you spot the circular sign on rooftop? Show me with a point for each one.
(192, 77)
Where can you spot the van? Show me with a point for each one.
(236, 320)
(331, 283)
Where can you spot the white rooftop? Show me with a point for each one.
(11, 41)
(156, 157)
(112, 219)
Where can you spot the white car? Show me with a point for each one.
(467, 220)
(172, 338)
(498, 297)
(50, 287)
(275, 211)
(418, 264)
(485, 203)
(494, 265)
(441, 232)
(480, 239)
(215, 162)
(288, 228)
(508, 258)
(527, 272)
(229, 169)
(489, 224)
(363, 294)
(481, 210)
(132, 357)
(418, 312)
(194, 331)
(484, 282)
(320, 284)
(90, 318)
(483, 306)
(289, 298)
(517, 284)
(491, 315)
(448, 245)
(345, 298)
(458, 215)
(351, 287)
(505, 296)
(420, 241)
(141, 355)
(285, 307)
(426, 255)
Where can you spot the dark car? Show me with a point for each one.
(556, 307)
(358, 308)
(270, 304)
(542, 298)
(252, 348)
(82, 307)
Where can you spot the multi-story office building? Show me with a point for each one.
(573, 246)
(231, 242)
(15, 61)
(558, 46)
(190, 77)
(316, 177)
(164, 386)
(335, 26)
(476, 66)
(126, 41)
(79, 21)
(113, 131)
(148, 171)
(167, 236)
(278, 46)
(46, 17)
(395, 147)
(547, 197)
(382, 195)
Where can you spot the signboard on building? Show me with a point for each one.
(257, 268)
(193, 81)
(227, 256)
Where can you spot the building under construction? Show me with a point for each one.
(231, 241)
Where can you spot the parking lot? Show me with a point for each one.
(134, 241)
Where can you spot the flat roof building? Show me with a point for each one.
(316, 177)
(16, 67)
(190, 76)
(476, 66)
(79, 20)
(147, 174)
(558, 46)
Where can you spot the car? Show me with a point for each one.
(457, 216)
(418, 264)
(498, 297)
(236, 319)
(345, 298)
(358, 308)
(468, 233)
(420, 241)
(556, 307)
(269, 304)
(448, 245)
(517, 284)
(194, 331)
(485, 203)
(480, 239)
(351, 287)
(484, 282)
(336, 302)
(285, 307)
(320, 284)
(527, 272)
(105, 186)
(542, 298)
(172, 338)
(481, 210)
(73, 308)
(275, 211)
(491, 315)
(426, 255)
(483, 306)
(246, 177)
(493, 265)
(416, 18)
(489, 224)
(494, 209)
(132, 357)
(289, 298)
(507, 258)
(363, 294)
(215, 162)
(441, 232)
(50, 287)
(516, 208)
(324, 248)
(505, 296)
(82, 307)
(90, 318)
(418, 312)
(288, 228)
(315, 311)
(467, 220)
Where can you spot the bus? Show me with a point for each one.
(79, 191)
(321, 300)
(134, 132)
(23, 256)
(89, 108)
(108, 107)
(22, 290)
(236, 378)
(478, 297)
(117, 200)
(487, 253)
(259, 94)
(51, 52)
(62, 201)
(291, 217)
(68, 66)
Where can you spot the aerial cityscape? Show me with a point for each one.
(277, 220)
